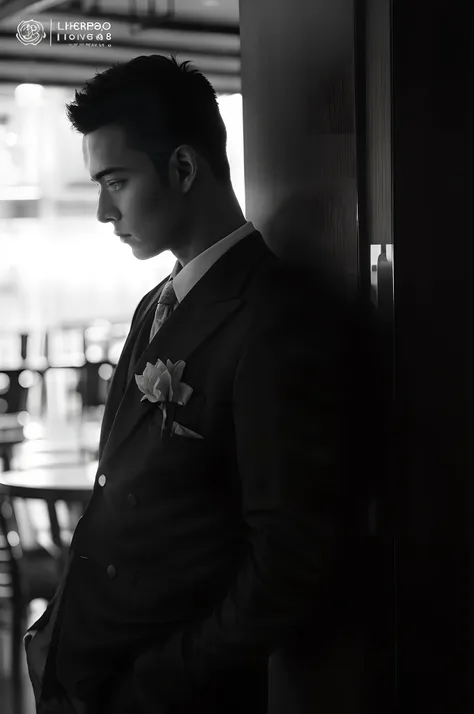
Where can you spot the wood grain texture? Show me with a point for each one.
(299, 132)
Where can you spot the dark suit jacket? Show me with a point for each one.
(198, 558)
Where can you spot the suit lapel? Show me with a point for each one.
(210, 303)
(124, 370)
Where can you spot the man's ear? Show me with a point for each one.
(182, 167)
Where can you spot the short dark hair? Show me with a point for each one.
(160, 104)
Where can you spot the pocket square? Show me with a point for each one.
(184, 431)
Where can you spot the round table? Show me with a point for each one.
(70, 483)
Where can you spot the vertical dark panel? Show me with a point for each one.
(413, 79)
(432, 220)
(299, 130)
(374, 169)
(298, 66)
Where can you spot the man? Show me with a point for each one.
(222, 510)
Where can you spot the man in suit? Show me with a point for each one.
(221, 523)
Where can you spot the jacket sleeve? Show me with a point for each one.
(290, 413)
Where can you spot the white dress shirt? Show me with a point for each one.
(185, 279)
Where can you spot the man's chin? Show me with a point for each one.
(142, 252)
(139, 254)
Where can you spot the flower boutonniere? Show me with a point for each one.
(161, 383)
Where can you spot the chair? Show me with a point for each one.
(65, 352)
(26, 574)
(24, 351)
(14, 385)
(11, 433)
(33, 355)
(93, 385)
(97, 371)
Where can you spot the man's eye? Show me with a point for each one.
(115, 185)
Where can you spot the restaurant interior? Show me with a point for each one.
(357, 119)
(68, 286)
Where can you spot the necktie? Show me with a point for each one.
(166, 304)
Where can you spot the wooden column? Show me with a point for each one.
(299, 130)
(298, 82)
(401, 72)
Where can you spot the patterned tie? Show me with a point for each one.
(166, 304)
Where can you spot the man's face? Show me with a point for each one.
(131, 195)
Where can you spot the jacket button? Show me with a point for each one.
(111, 572)
(132, 500)
(102, 480)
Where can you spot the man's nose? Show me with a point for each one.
(106, 211)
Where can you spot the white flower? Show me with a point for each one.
(161, 382)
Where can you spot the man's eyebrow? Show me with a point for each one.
(105, 172)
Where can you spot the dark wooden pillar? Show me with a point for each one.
(387, 83)
(298, 72)
(299, 130)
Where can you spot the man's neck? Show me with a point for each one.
(207, 233)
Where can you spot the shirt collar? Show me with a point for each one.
(184, 279)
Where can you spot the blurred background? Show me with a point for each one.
(68, 286)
